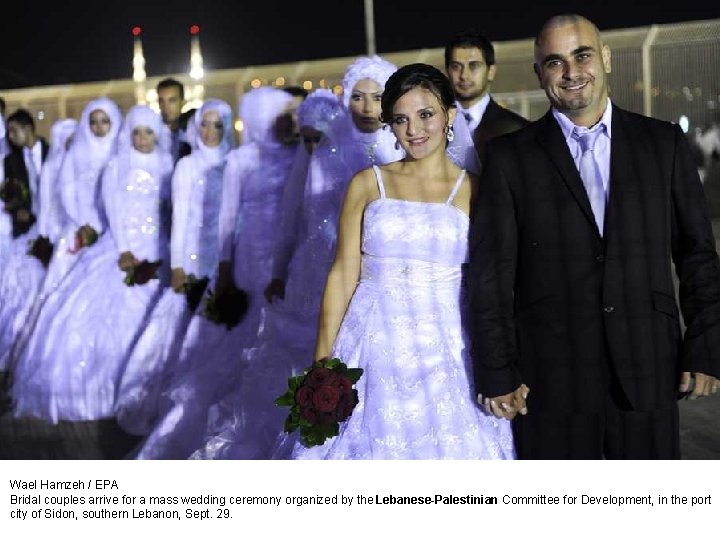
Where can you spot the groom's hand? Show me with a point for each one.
(507, 406)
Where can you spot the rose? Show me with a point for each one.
(304, 396)
(344, 385)
(319, 376)
(325, 398)
(309, 414)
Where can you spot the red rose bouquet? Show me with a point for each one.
(319, 399)
(227, 307)
(142, 272)
(42, 249)
(85, 236)
(15, 196)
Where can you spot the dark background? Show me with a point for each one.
(90, 41)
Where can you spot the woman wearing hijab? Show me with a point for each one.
(22, 275)
(253, 181)
(197, 186)
(246, 424)
(104, 301)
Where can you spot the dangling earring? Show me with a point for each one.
(450, 134)
(397, 144)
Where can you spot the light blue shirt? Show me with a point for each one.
(602, 146)
(476, 112)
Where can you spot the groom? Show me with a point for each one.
(578, 219)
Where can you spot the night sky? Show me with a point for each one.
(91, 41)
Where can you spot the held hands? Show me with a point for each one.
(177, 279)
(704, 385)
(276, 288)
(507, 406)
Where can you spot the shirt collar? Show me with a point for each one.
(477, 110)
(567, 126)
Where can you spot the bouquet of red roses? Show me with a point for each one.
(227, 307)
(42, 249)
(85, 236)
(16, 198)
(142, 272)
(319, 399)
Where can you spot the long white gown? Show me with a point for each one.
(404, 328)
(22, 275)
(86, 327)
(246, 423)
(209, 359)
(197, 186)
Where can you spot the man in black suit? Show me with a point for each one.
(23, 164)
(470, 65)
(574, 322)
(171, 99)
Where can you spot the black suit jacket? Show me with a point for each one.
(557, 306)
(14, 165)
(496, 121)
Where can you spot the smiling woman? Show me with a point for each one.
(393, 298)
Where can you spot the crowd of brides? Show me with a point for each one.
(112, 322)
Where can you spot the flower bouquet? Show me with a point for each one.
(16, 198)
(194, 289)
(85, 236)
(319, 399)
(227, 307)
(42, 249)
(142, 272)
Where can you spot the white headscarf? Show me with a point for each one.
(319, 110)
(259, 109)
(372, 67)
(88, 150)
(226, 143)
(60, 132)
(158, 162)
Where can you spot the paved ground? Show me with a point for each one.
(35, 439)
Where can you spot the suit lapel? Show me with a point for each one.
(550, 138)
(624, 174)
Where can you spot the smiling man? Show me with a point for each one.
(575, 327)
(470, 65)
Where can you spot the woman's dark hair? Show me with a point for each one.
(413, 76)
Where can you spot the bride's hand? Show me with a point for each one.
(509, 405)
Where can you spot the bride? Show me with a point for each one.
(394, 301)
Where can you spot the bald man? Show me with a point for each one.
(575, 326)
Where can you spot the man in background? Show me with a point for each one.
(470, 65)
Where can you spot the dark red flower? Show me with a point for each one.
(344, 385)
(326, 398)
(309, 414)
(320, 376)
(304, 396)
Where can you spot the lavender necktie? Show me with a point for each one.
(590, 174)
